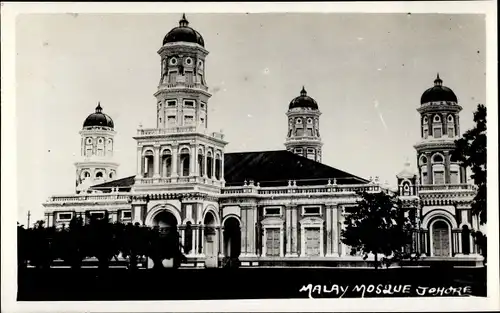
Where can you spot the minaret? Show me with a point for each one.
(97, 141)
(440, 127)
(180, 150)
(303, 137)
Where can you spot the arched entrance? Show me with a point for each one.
(165, 247)
(210, 240)
(441, 238)
(232, 237)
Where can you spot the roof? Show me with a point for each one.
(303, 101)
(268, 168)
(438, 93)
(271, 168)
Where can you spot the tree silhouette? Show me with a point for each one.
(377, 225)
(471, 152)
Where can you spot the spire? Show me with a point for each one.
(183, 22)
(98, 109)
(303, 92)
(438, 81)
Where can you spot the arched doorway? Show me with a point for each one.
(164, 249)
(210, 240)
(441, 238)
(232, 237)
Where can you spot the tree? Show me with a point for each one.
(471, 152)
(377, 225)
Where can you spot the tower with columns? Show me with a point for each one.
(97, 140)
(303, 137)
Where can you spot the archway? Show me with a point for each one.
(166, 222)
(441, 238)
(232, 237)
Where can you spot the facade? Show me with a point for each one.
(269, 208)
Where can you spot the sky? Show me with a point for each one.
(366, 71)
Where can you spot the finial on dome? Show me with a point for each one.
(183, 22)
(303, 92)
(438, 81)
(98, 109)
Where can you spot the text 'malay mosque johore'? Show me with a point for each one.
(270, 207)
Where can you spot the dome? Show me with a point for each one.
(303, 101)
(438, 93)
(184, 33)
(98, 119)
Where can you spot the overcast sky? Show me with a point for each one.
(367, 73)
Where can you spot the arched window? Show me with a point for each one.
(441, 244)
(166, 163)
(185, 162)
(422, 162)
(210, 164)
(451, 126)
(218, 166)
(425, 127)
(85, 174)
(438, 169)
(201, 159)
(148, 164)
(111, 175)
(465, 240)
(98, 175)
(311, 154)
(299, 127)
(437, 127)
(406, 189)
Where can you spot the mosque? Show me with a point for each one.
(268, 208)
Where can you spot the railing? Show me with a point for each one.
(446, 187)
(177, 130)
(178, 180)
(183, 84)
(90, 197)
(298, 138)
(300, 189)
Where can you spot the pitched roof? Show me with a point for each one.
(269, 168)
(126, 182)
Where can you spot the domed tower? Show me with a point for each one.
(439, 128)
(303, 136)
(180, 150)
(97, 140)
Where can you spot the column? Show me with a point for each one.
(220, 240)
(294, 231)
(192, 161)
(457, 125)
(201, 240)
(243, 241)
(321, 243)
(252, 221)
(163, 167)
(204, 174)
(429, 125)
(282, 240)
(329, 220)
(139, 162)
(302, 240)
(288, 223)
(463, 175)
(335, 230)
(194, 240)
(222, 167)
(156, 161)
(446, 167)
(429, 168)
(212, 170)
(175, 151)
(444, 121)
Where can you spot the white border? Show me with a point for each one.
(9, 284)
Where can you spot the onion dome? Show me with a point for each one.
(98, 119)
(303, 101)
(184, 33)
(438, 93)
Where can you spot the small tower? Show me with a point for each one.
(97, 141)
(439, 128)
(407, 181)
(303, 137)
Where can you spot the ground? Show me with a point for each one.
(64, 284)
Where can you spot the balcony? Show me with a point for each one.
(178, 180)
(454, 187)
(90, 197)
(300, 190)
(181, 83)
(153, 132)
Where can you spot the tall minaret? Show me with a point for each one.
(180, 150)
(97, 141)
(439, 128)
(303, 136)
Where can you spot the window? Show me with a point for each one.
(64, 216)
(309, 121)
(171, 119)
(424, 177)
(298, 151)
(438, 177)
(451, 131)
(89, 141)
(202, 105)
(298, 121)
(189, 61)
(188, 119)
(173, 61)
(311, 210)
(437, 119)
(100, 152)
(272, 212)
(88, 152)
(86, 174)
(98, 175)
(272, 242)
(126, 215)
(437, 158)
(202, 121)
(100, 141)
(450, 118)
(189, 103)
(423, 160)
(437, 132)
(97, 215)
(111, 175)
(171, 103)
(350, 209)
(425, 120)
(309, 132)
